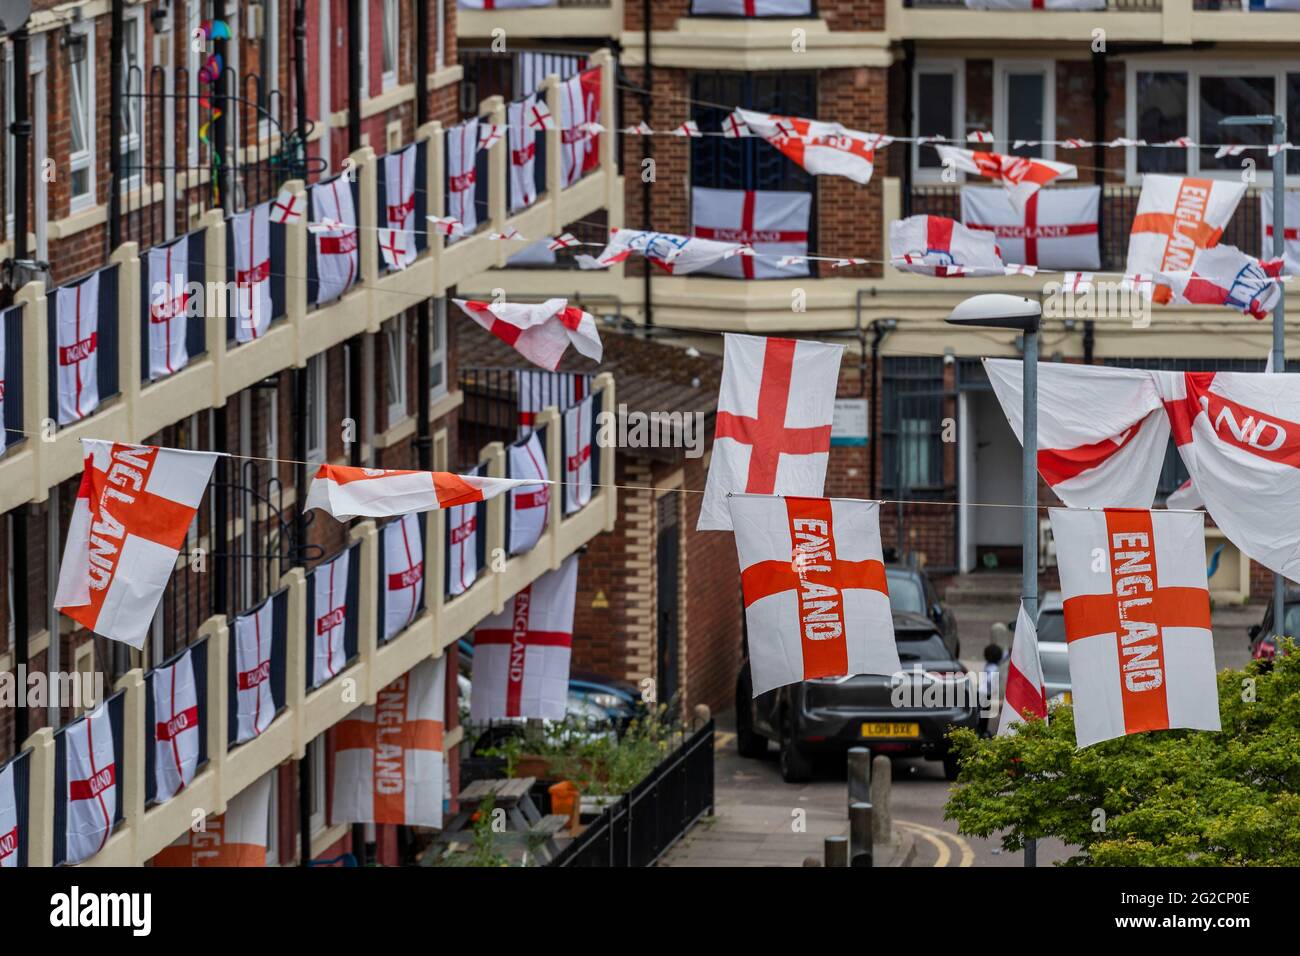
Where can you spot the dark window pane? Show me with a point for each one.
(1235, 96)
(1161, 117)
(934, 109)
(1025, 98)
(749, 163)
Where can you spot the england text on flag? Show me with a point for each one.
(1176, 216)
(237, 837)
(1056, 229)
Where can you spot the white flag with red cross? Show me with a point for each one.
(462, 546)
(816, 596)
(169, 277)
(937, 246)
(577, 455)
(1021, 176)
(769, 222)
(536, 390)
(823, 149)
(132, 514)
(751, 8)
(523, 154)
(539, 332)
(676, 255)
(11, 837)
(1036, 4)
(1057, 229)
(521, 656)
(1026, 692)
(399, 212)
(1226, 276)
(531, 498)
(252, 306)
(503, 4)
(462, 175)
(237, 837)
(77, 349)
(394, 245)
(176, 729)
(1290, 228)
(1177, 216)
(336, 247)
(255, 634)
(328, 621)
(91, 770)
(403, 574)
(773, 431)
(1137, 621)
(388, 759)
(346, 492)
(285, 208)
(579, 108)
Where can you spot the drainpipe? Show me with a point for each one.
(115, 124)
(1099, 137)
(646, 151)
(421, 64)
(299, 559)
(424, 311)
(879, 329)
(909, 75)
(300, 69)
(354, 75)
(21, 128)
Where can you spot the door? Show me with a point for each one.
(667, 553)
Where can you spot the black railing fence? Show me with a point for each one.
(639, 827)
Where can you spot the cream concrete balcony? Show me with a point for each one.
(571, 19)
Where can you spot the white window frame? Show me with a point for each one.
(316, 820)
(273, 821)
(440, 33)
(438, 350)
(391, 11)
(1001, 70)
(366, 7)
(271, 439)
(396, 377)
(957, 69)
(134, 34)
(316, 413)
(85, 159)
(270, 43)
(193, 62)
(1195, 70)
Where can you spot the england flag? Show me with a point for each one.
(577, 455)
(676, 255)
(76, 311)
(168, 307)
(329, 617)
(521, 656)
(1057, 228)
(523, 154)
(336, 247)
(462, 175)
(255, 635)
(536, 389)
(936, 246)
(1021, 176)
(1290, 227)
(816, 596)
(823, 149)
(252, 306)
(176, 729)
(1026, 692)
(540, 332)
(771, 223)
(529, 503)
(403, 574)
(773, 430)
(1137, 622)
(237, 837)
(12, 838)
(751, 8)
(399, 212)
(345, 492)
(462, 546)
(91, 771)
(1226, 276)
(579, 109)
(1177, 216)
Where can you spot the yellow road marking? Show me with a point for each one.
(722, 738)
(940, 838)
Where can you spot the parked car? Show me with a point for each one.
(831, 714)
(1263, 640)
(1052, 647)
(911, 592)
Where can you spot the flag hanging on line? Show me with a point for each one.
(1137, 623)
(1026, 692)
(936, 246)
(1176, 216)
(1057, 229)
(823, 149)
(539, 332)
(774, 223)
(677, 255)
(131, 517)
(346, 492)
(773, 431)
(1021, 176)
(816, 596)
(1226, 276)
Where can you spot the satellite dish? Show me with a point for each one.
(13, 15)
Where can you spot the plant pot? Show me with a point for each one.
(533, 765)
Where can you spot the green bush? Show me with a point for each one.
(1165, 798)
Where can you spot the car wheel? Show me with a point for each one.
(796, 765)
(748, 742)
(950, 767)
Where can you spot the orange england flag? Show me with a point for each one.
(346, 492)
(237, 837)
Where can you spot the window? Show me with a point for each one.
(271, 440)
(133, 84)
(193, 62)
(748, 163)
(1161, 117)
(1024, 106)
(316, 753)
(391, 35)
(940, 106)
(913, 409)
(273, 821)
(316, 416)
(395, 380)
(440, 28)
(268, 55)
(438, 351)
(81, 91)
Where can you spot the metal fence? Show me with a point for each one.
(642, 824)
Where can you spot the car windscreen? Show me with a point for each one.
(1051, 627)
(920, 646)
(905, 593)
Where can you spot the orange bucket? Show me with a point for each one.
(564, 801)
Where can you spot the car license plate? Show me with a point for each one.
(1069, 698)
(891, 730)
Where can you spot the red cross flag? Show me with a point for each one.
(1226, 276)
(462, 174)
(530, 500)
(252, 306)
(771, 223)
(537, 389)
(237, 837)
(677, 255)
(1026, 693)
(168, 305)
(521, 656)
(1290, 228)
(91, 768)
(336, 248)
(1137, 621)
(394, 245)
(388, 759)
(935, 246)
(255, 635)
(328, 617)
(523, 154)
(577, 456)
(579, 144)
(773, 431)
(77, 349)
(1176, 216)
(539, 332)
(489, 134)
(399, 206)
(462, 546)
(346, 492)
(286, 208)
(1057, 229)
(132, 514)
(751, 8)
(11, 839)
(1021, 176)
(1036, 4)
(823, 149)
(502, 4)
(403, 574)
(816, 597)
(176, 729)
(538, 115)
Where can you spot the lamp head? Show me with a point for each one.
(998, 310)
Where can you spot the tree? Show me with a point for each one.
(1165, 798)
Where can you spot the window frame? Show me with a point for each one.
(85, 159)
(440, 39)
(316, 413)
(273, 821)
(316, 819)
(957, 68)
(1002, 69)
(131, 141)
(395, 377)
(391, 24)
(269, 43)
(438, 350)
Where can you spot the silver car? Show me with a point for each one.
(1052, 647)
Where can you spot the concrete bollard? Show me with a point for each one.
(882, 819)
(836, 851)
(859, 775)
(860, 834)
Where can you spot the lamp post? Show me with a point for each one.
(1278, 354)
(1002, 311)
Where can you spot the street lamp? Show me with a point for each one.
(1002, 311)
(1278, 362)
